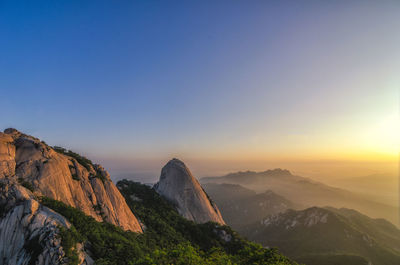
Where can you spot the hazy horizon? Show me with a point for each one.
(103, 95)
(323, 170)
(311, 87)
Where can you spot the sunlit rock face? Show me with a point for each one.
(29, 232)
(178, 185)
(61, 177)
(7, 155)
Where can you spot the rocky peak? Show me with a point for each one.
(65, 176)
(180, 187)
(178, 166)
(11, 131)
(277, 172)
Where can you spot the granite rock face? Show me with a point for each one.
(181, 188)
(29, 232)
(62, 177)
(7, 155)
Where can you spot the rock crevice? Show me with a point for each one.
(29, 232)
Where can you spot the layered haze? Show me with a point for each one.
(308, 86)
(262, 85)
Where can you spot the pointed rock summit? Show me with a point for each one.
(65, 176)
(180, 187)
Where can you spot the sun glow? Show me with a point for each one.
(383, 137)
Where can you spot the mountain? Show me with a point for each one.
(169, 228)
(328, 235)
(65, 176)
(307, 192)
(181, 188)
(57, 207)
(241, 206)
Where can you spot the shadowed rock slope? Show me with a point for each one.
(65, 176)
(240, 206)
(181, 188)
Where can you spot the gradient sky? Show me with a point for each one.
(133, 83)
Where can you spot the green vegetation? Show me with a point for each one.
(26, 184)
(87, 163)
(167, 228)
(72, 169)
(168, 237)
(330, 236)
(100, 176)
(99, 210)
(69, 238)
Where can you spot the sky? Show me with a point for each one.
(313, 86)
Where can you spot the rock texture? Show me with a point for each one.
(29, 231)
(62, 177)
(180, 187)
(7, 155)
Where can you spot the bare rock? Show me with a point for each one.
(7, 154)
(181, 188)
(29, 232)
(61, 177)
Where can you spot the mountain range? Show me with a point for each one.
(58, 207)
(329, 236)
(312, 236)
(306, 192)
(241, 206)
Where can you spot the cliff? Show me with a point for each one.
(181, 188)
(65, 176)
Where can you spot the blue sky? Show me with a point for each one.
(211, 80)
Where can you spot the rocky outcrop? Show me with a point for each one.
(292, 219)
(7, 154)
(64, 176)
(181, 188)
(29, 232)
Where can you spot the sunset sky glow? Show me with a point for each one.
(271, 83)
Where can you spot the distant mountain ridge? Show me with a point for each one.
(241, 206)
(58, 208)
(317, 234)
(305, 191)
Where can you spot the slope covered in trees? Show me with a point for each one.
(168, 238)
